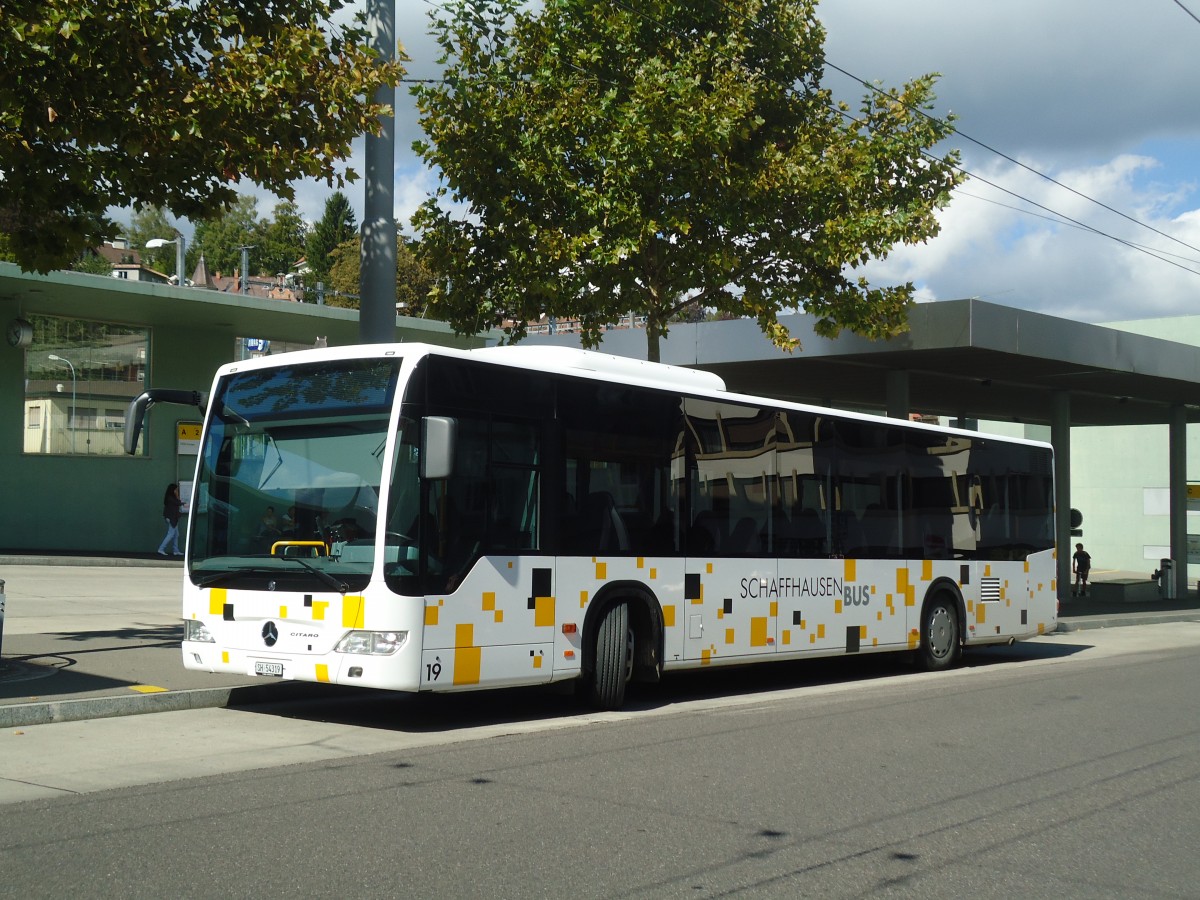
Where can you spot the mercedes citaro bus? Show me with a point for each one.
(419, 518)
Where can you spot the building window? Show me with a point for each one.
(79, 378)
(83, 417)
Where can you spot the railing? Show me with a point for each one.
(573, 326)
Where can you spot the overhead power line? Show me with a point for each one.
(1005, 156)
(1059, 220)
(999, 153)
(1188, 11)
(1156, 254)
(1062, 217)
(1027, 168)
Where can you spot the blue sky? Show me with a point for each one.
(1100, 95)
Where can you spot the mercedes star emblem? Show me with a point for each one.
(270, 634)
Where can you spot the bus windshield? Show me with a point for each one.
(290, 472)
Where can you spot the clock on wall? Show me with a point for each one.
(20, 333)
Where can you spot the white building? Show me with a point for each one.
(1119, 478)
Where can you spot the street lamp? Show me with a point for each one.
(63, 359)
(155, 243)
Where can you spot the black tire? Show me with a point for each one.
(613, 662)
(941, 644)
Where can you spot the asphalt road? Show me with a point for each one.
(1065, 767)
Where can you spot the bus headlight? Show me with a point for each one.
(372, 643)
(195, 630)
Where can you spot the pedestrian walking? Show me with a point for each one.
(171, 506)
(1081, 564)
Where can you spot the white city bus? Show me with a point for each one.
(423, 519)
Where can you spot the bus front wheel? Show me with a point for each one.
(613, 660)
(940, 644)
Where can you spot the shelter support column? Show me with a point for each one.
(1060, 437)
(1177, 476)
(899, 404)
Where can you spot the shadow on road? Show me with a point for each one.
(83, 664)
(29, 679)
(444, 712)
(141, 634)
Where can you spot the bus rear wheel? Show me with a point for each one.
(940, 644)
(613, 660)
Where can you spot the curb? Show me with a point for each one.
(106, 561)
(1087, 623)
(54, 711)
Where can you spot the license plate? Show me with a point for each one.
(269, 668)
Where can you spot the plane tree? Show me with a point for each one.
(163, 103)
(601, 158)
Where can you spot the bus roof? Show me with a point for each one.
(594, 364)
(568, 359)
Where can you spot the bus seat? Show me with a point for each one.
(808, 531)
(704, 537)
(743, 538)
(605, 528)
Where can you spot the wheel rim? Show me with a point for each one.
(629, 647)
(941, 632)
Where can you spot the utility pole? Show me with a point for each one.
(377, 307)
(246, 248)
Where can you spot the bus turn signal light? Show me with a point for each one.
(570, 628)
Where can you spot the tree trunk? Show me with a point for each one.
(653, 336)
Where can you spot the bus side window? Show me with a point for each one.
(617, 446)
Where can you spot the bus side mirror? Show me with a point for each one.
(135, 415)
(438, 434)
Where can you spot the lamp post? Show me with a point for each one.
(155, 243)
(71, 420)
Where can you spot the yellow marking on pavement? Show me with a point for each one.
(148, 689)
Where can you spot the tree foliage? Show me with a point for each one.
(413, 280)
(221, 238)
(92, 263)
(335, 227)
(112, 103)
(661, 155)
(282, 239)
(147, 223)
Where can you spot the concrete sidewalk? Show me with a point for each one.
(87, 638)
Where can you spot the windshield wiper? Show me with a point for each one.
(210, 580)
(340, 586)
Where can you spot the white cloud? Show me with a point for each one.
(991, 250)
(1089, 92)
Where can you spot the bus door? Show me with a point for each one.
(470, 542)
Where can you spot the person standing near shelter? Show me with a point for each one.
(1081, 564)
(171, 507)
